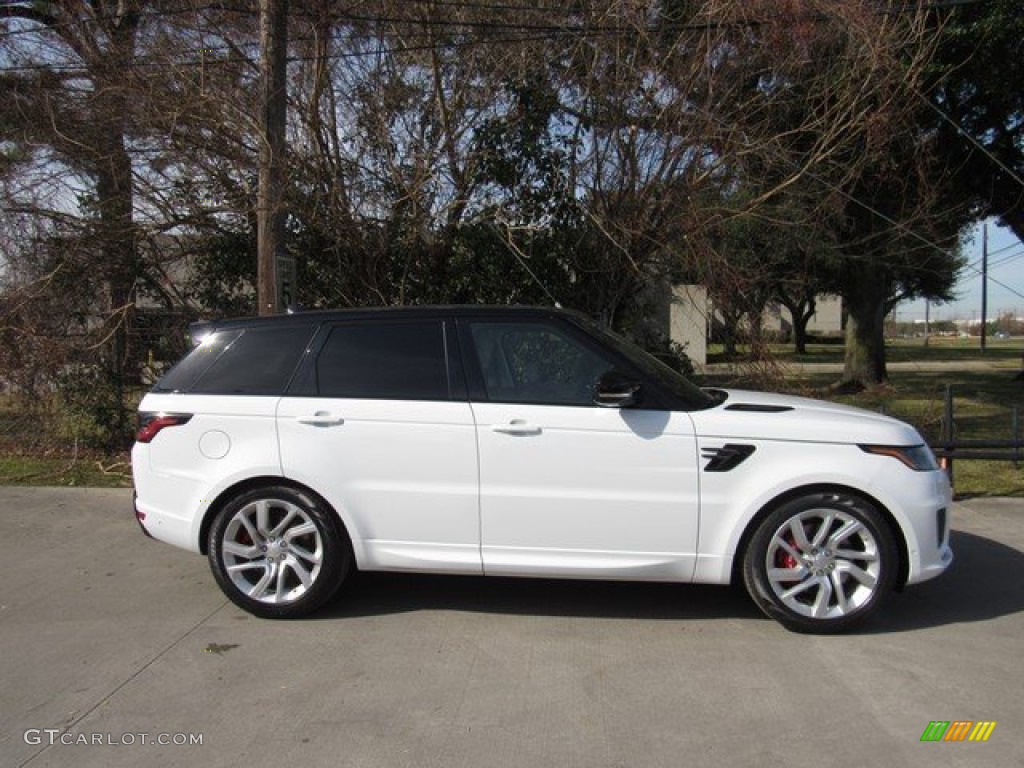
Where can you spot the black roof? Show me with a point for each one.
(419, 311)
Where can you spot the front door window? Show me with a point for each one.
(536, 363)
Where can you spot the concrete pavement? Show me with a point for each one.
(113, 638)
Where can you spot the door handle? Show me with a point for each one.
(516, 427)
(320, 419)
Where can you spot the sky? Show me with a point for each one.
(1005, 285)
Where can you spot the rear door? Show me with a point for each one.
(377, 422)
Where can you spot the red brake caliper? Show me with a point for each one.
(782, 558)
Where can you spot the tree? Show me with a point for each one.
(74, 100)
(446, 151)
(780, 251)
(977, 113)
(875, 177)
(895, 244)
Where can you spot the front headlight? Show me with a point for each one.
(918, 457)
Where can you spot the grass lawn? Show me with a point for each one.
(37, 447)
(1001, 352)
(97, 471)
(983, 409)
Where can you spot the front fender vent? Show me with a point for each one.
(727, 457)
(758, 408)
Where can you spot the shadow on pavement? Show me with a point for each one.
(373, 594)
(983, 584)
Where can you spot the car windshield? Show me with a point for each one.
(680, 386)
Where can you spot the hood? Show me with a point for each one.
(766, 416)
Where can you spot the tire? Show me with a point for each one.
(278, 553)
(821, 563)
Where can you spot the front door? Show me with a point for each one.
(568, 487)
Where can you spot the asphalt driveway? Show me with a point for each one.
(111, 643)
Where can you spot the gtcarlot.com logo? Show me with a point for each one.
(958, 730)
(55, 737)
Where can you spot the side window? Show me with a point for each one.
(536, 363)
(254, 361)
(396, 361)
(183, 376)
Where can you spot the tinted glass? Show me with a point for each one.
(690, 396)
(396, 361)
(258, 361)
(536, 363)
(183, 376)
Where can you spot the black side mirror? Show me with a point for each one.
(616, 390)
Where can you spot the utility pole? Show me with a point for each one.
(984, 281)
(270, 214)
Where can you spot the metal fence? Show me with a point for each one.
(951, 446)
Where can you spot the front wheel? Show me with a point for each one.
(277, 552)
(821, 562)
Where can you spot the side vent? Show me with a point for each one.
(758, 408)
(727, 457)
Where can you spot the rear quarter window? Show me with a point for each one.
(249, 361)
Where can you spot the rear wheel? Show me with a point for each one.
(277, 552)
(821, 562)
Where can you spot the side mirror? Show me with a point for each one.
(616, 390)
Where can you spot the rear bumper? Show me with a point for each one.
(166, 526)
(140, 516)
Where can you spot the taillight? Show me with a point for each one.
(150, 424)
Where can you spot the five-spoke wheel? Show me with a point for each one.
(278, 553)
(821, 562)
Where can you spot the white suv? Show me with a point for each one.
(520, 442)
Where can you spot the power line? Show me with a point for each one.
(665, 26)
(1005, 287)
(1000, 250)
(1000, 263)
(552, 31)
(43, 27)
(1006, 260)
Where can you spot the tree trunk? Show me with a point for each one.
(800, 333)
(864, 364)
(730, 333)
(800, 312)
(120, 259)
(112, 169)
(755, 331)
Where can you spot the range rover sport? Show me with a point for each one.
(291, 450)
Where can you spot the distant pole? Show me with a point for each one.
(984, 282)
(927, 321)
(270, 219)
